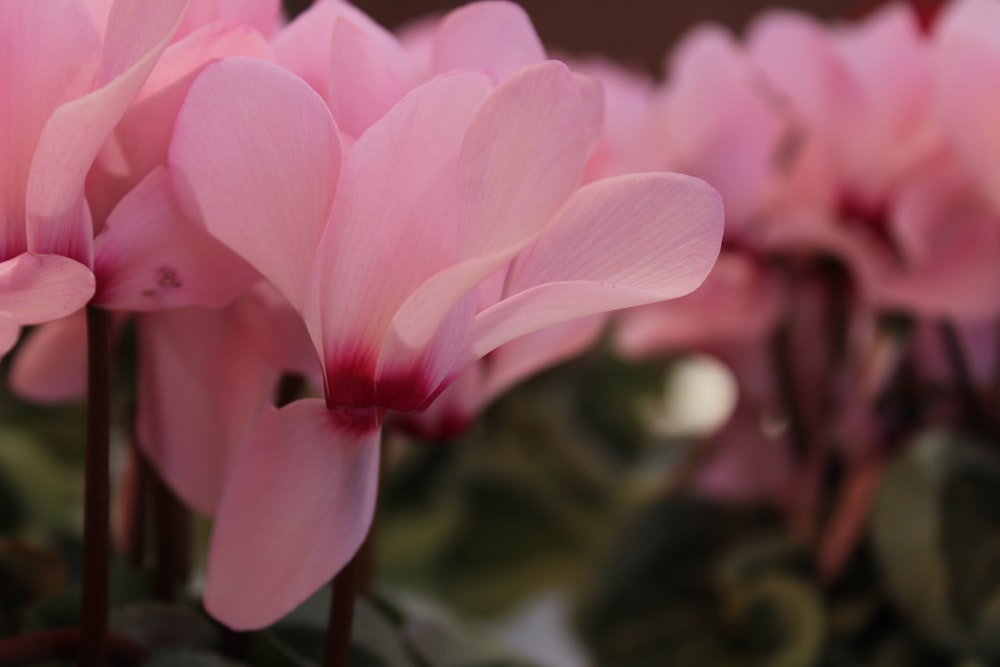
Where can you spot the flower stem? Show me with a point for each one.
(93, 643)
(171, 540)
(965, 385)
(338, 631)
(356, 577)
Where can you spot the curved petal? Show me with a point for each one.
(297, 506)
(305, 46)
(401, 173)
(142, 138)
(58, 222)
(150, 256)
(9, 333)
(521, 159)
(255, 157)
(739, 304)
(970, 93)
(525, 356)
(51, 365)
(262, 15)
(493, 36)
(49, 51)
(366, 78)
(203, 388)
(41, 288)
(619, 242)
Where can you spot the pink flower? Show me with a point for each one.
(381, 247)
(64, 90)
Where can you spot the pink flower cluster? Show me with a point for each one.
(317, 198)
(858, 164)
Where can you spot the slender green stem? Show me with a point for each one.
(97, 493)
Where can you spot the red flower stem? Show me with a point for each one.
(964, 384)
(356, 577)
(172, 543)
(135, 536)
(338, 630)
(93, 642)
(63, 645)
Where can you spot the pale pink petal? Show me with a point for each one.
(797, 54)
(278, 331)
(739, 303)
(619, 242)
(51, 365)
(887, 123)
(42, 288)
(719, 121)
(401, 173)
(261, 15)
(493, 36)
(297, 506)
(305, 46)
(99, 12)
(521, 159)
(9, 333)
(950, 241)
(49, 51)
(970, 93)
(366, 78)
(592, 95)
(525, 356)
(966, 23)
(203, 388)
(255, 158)
(57, 219)
(150, 256)
(625, 144)
(142, 138)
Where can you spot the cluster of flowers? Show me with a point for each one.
(413, 223)
(859, 168)
(319, 199)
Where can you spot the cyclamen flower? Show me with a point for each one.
(66, 83)
(380, 248)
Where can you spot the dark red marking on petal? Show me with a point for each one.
(350, 381)
(359, 421)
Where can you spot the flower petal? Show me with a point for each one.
(142, 138)
(255, 158)
(41, 288)
(51, 365)
(150, 256)
(58, 221)
(401, 173)
(305, 46)
(50, 52)
(521, 159)
(203, 388)
(493, 36)
(619, 242)
(296, 508)
(367, 76)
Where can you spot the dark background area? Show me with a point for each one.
(635, 32)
